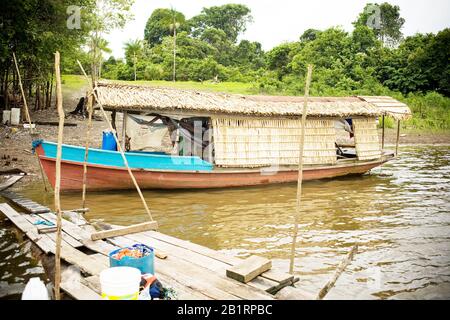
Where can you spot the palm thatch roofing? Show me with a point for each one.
(389, 106)
(121, 97)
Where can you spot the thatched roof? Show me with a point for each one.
(389, 106)
(114, 96)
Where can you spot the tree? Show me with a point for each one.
(279, 59)
(230, 18)
(436, 60)
(133, 50)
(106, 15)
(386, 21)
(331, 46)
(249, 54)
(173, 28)
(98, 46)
(34, 30)
(188, 50)
(363, 39)
(421, 63)
(309, 35)
(224, 47)
(159, 25)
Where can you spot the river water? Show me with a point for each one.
(399, 215)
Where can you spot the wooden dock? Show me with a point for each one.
(192, 270)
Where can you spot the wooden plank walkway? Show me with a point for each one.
(10, 181)
(193, 271)
(26, 204)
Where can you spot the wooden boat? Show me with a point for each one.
(225, 141)
(136, 160)
(104, 177)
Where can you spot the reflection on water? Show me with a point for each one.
(400, 219)
(17, 265)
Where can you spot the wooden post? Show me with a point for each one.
(59, 106)
(27, 113)
(86, 151)
(118, 144)
(382, 136)
(300, 168)
(124, 129)
(398, 137)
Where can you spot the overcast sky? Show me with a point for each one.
(277, 21)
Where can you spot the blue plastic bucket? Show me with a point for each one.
(108, 141)
(144, 264)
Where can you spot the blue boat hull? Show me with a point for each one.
(136, 160)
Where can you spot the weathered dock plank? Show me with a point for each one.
(80, 234)
(26, 204)
(120, 231)
(16, 218)
(10, 181)
(249, 269)
(66, 237)
(276, 276)
(79, 291)
(178, 252)
(47, 242)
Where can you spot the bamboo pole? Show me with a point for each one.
(300, 169)
(344, 263)
(59, 106)
(27, 114)
(86, 151)
(398, 138)
(382, 136)
(118, 144)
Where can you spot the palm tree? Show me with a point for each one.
(173, 27)
(97, 46)
(133, 48)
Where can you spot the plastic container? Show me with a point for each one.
(15, 116)
(6, 116)
(120, 283)
(35, 290)
(144, 264)
(108, 141)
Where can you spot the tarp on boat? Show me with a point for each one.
(145, 134)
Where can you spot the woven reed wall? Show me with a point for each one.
(264, 142)
(366, 139)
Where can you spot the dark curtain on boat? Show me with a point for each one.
(191, 130)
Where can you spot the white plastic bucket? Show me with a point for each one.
(6, 116)
(120, 283)
(35, 290)
(15, 116)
